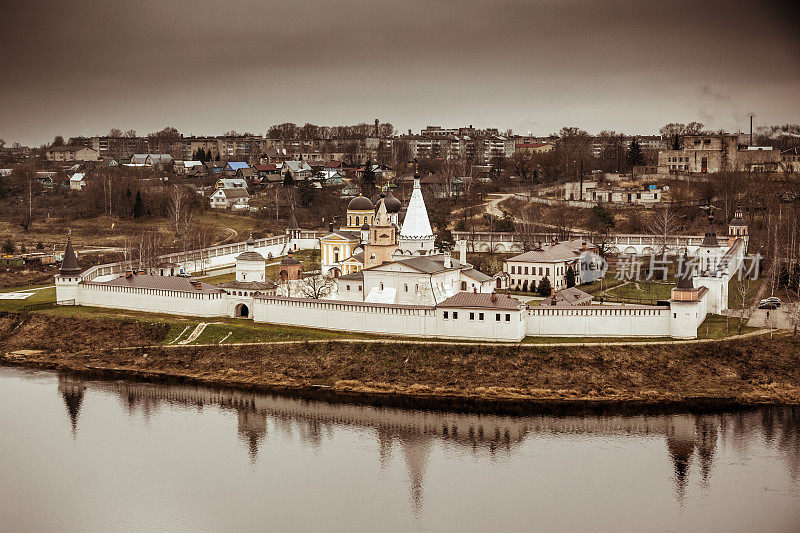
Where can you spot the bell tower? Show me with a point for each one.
(737, 227)
(382, 238)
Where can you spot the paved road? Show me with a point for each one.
(778, 318)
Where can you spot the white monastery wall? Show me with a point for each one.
(151, 300)
(598, 321)
(347, 316)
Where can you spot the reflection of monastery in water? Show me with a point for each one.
(690, 438)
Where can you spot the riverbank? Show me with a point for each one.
(747, 371)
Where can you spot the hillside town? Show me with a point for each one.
(519, 228)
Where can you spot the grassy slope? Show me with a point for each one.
(745, 370)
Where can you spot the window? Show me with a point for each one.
(512, 269)
(405, 287)
(508, 317)
(359, 287)
(455, 315)
(547, 271)
(472, 316)
(348, 287)
(480, 316)
(526, 271)
(445, 315)
(381, 286)
(463, 285)
(497, 317)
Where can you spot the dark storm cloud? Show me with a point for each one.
(206, 67)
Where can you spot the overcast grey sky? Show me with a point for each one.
(83, 67)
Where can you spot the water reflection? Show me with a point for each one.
(691, 439)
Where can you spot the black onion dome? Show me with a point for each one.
(360, 203)
(393, 205)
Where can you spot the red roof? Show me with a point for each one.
(266, 168)
(531, 145)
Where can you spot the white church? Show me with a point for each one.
(390, 280)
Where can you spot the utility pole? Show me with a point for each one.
(581, 179)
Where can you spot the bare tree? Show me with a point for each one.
(663, 224)
(148, 249)
(316, 287)
(522, 164)
(526, 224)
(743, 290)
(180, 214)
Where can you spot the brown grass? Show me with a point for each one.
(745, 370)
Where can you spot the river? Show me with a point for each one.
(86, 455)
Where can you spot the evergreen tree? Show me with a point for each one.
(676, 142)
(544, 287)
(570, 277)
(306, 192)
(368, 180)
(288, 180)
(138, 205)
(635, 154)
(444, 239)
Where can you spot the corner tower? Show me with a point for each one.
(68, 277)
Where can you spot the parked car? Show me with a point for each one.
(769, 304)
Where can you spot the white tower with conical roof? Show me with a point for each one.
(416, 236)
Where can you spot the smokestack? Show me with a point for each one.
(376, 128)
(751, 129)
(448, 262)
(462, 251)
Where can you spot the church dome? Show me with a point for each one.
(360, 203)
(393, 205)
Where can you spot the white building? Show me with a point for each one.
(427, 280)
(77, 182)
(228, 198)
(552, 261)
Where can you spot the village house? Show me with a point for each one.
(183, 167)
(77, 182)
(71, 153)
(232, 167)
(268, 172)
(237, 198)
(298, 170)
(231, 183)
